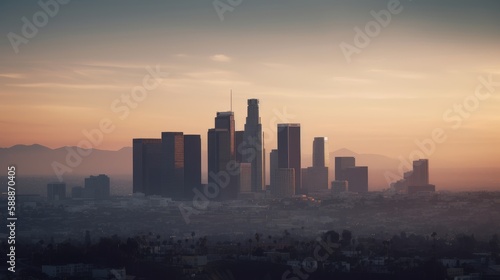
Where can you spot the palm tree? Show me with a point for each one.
(250, 244)
(433, 235)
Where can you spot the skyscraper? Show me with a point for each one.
(170, 166)
(341, 164)
(289, 153)
(225, 120)
(245, 178)
(147, 160)
(315, 178)
(192, 164)
(172, 147)
(320, 152)
(221, 153)
(357, 178)
(253, 146)
(97, 187)
(420, 174)
(416, 180)
(273, 165)
(285, 182)
(238, 143)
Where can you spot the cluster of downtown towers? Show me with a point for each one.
(170, 166)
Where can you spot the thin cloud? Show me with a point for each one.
(220, 58)
(276, 65)
(11, 75)
(399, 74)
(211, 77)
(346, 79)
(67, 86)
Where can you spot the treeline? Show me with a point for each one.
(154, 255)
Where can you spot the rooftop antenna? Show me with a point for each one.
(231, 100)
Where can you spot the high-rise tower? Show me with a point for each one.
(320, 152)
(252, 149)
(315, 178)
(147, 166)
(221, 153)
(289, 151)
(420, 175)
(341, 164)
(173, 164)
(170, 166)
(192, 164)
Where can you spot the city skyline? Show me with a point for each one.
(409, 81)
(250, 139)
(390, 175)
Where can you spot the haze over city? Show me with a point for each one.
(250, 139)
(397, 90)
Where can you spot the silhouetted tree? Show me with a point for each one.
(331, 236)
(346, 238)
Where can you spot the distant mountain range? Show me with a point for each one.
(38, 160)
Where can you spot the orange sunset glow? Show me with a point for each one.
(428, 81)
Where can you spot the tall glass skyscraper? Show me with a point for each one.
(173, 164)
(147, 157)
(170, 166)
(253, 147)
(420, 174)
(221, 153)
(315, 178)
(320, 152)
(225, 120)
(289, 153)
(341, 164)
(192, 164)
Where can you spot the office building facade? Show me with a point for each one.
(147, 160)
(315, 178)
(192, 164)
(289, 151)
(284, 179)
(357, 178)
(221, 155)
(253, 148)
(97, 187)
(341, 164)
(172, 180)
(170, 166)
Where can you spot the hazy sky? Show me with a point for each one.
(395, 90)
